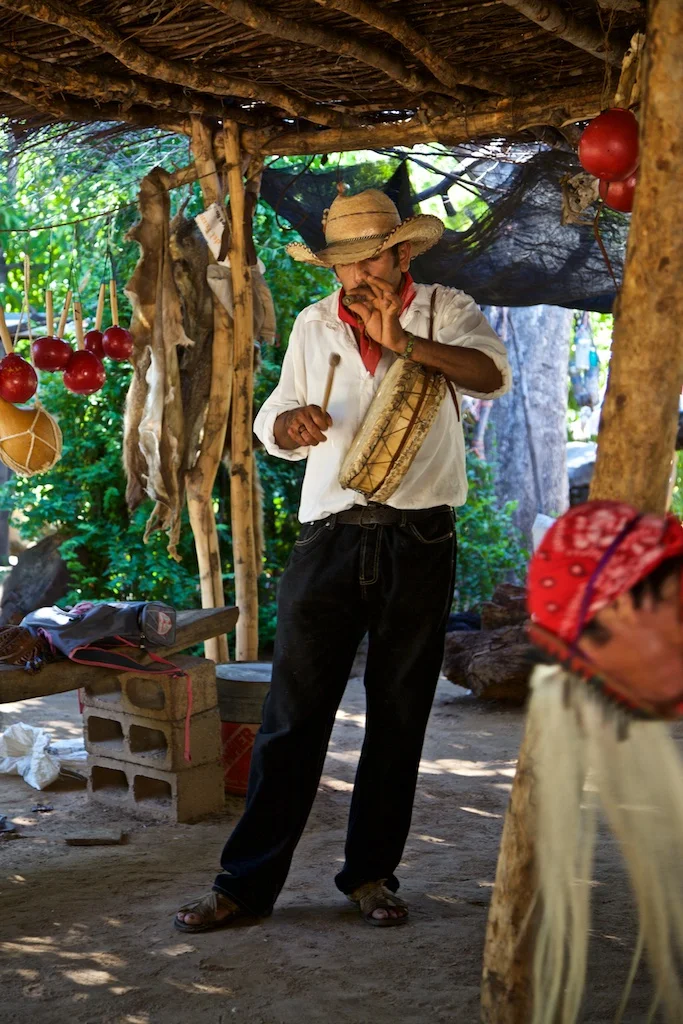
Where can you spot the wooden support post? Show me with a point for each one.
(201, 478)
(241, 447)
(635, 446)
(640, 413)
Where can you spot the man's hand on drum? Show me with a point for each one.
(302, 427)
(379, 307)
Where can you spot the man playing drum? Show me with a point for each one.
(358, 566)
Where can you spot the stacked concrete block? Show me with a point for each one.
(135, 737)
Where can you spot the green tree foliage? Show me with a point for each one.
(677, 496)
(83, 496)
(490, 548)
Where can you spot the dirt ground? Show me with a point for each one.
(86, 936)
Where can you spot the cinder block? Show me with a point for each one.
(154, 697)
(150, 793)
(152, 742)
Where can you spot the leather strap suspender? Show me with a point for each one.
(449, 383)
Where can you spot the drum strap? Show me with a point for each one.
(427, 378)
(449, 383)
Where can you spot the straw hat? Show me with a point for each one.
(360, 227)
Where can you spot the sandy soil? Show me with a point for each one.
(86, 936)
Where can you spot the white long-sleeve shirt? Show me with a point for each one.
(437, 475)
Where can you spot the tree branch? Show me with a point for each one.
(54, 12)
(63, 109)
(506, 118)
(301, 31)
(420, 47)
(564, 25)
(59, 78)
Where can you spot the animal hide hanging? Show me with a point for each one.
(153, 429)
(190, 261)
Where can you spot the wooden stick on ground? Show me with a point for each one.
(241, 447)
(635, 447)
(201, 479)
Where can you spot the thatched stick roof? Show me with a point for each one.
(347, 72)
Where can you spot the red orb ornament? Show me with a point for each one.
(50, 354)
(18, 380)
(608, 147)
(93, 343)
(84, 374)
(618, 195)
(117, 343)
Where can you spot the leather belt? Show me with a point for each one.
(375, 514)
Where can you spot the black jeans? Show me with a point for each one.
(396, 583)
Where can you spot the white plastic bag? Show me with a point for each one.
(542, 524)
(23, 751)
(72, 756)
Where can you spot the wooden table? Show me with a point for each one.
(56, 677)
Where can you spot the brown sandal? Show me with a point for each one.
(375, 896)
(206, 908)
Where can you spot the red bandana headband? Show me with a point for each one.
(370, 351)
(593, 554)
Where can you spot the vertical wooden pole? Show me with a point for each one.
(640, 413)
(201, 478)
(506, 994)
(241, 448)
(635, 446)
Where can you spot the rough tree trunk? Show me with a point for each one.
(529, 424)
(638, 426)
(241, 447)
(635, 445)
(201, 479)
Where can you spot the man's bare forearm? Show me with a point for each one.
(468, 368)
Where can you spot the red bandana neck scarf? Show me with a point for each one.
(593, 554)
(370, 351)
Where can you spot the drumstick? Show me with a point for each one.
(335, 360)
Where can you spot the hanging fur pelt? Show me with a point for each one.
(190, 255)
(173, 329)
(591, 758)
(153, 425)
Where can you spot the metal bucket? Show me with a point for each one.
(242, 689)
